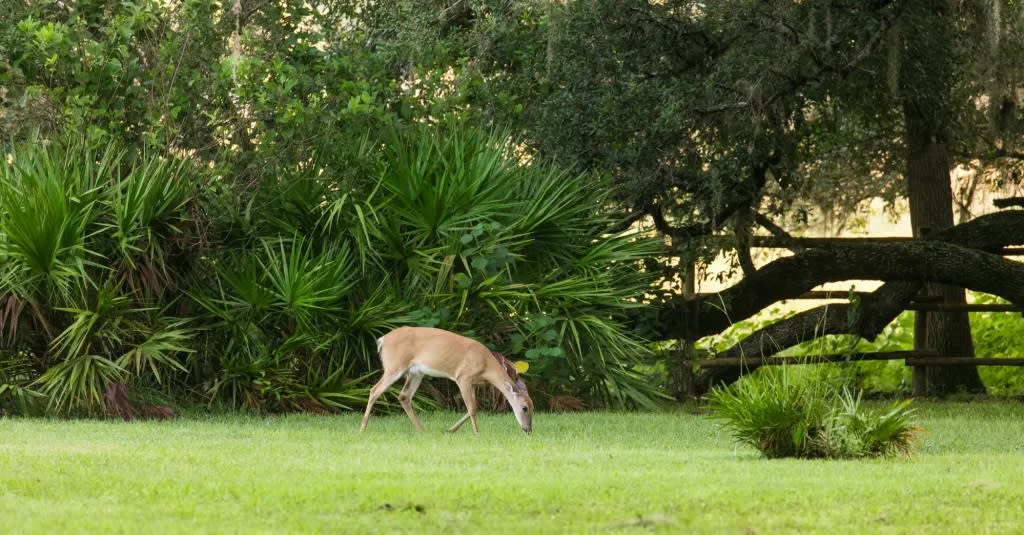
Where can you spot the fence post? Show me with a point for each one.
(680, 369)
(918, 374)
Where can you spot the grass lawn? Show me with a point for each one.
(579, 473)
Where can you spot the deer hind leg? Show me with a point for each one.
(386, 381)
(469, 397)
(412, 383)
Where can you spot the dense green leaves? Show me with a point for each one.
(295, 179)
(124, 271)
(48, 197)
(83, 249)
(785, 414)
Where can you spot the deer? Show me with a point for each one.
(419, 351)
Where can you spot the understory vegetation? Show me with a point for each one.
(133, 279)
(222, 205)
(784, 413)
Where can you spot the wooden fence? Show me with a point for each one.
(922, 304)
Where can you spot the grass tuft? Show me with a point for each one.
(783, 414)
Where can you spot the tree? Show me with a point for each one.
(719, 118)
(926, 82)
(327, 204)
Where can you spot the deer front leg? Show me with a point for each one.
(469, 398)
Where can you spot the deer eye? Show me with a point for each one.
(525, 408)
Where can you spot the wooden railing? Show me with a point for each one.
(922, 303)
(911, 358)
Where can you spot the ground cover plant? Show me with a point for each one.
(784, 413)
(577, 473)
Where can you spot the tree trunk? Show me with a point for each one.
(925, 87)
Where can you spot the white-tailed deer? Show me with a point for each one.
(418, 351)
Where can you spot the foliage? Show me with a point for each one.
(231, 149)
(783, 414)
(491, 239)
(999, 334)
(16, 375)
(84, 260)
(874, 377)
(281, 304)
(716, 117)
(305, 245)
(681, 100)
(272, 321)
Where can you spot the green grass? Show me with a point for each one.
(586, 473)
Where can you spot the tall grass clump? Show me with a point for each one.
(786, 414)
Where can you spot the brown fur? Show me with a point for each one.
(428, 350)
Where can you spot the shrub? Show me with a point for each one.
(785, 414)
(89, 243)
(999, 334)
(141, 269)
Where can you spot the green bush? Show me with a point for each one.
(806, 415)
(999, 334)
(88, 245)
(122, 269)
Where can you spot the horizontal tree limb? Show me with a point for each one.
(788, 278)
(1008, 202)
(918, 261)
(910, 358)
(922, 261)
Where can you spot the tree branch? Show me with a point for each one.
(865, 319)
(628, 222)
(745, 199)
(933, 260)
(921, 261)
(791, 243)
(1008, 202)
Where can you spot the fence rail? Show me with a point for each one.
(918, 359)
(921, 303)
(910, 358)
(729, 362)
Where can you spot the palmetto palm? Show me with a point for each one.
(278, 314)
(301, 273)
(472, 227)
(69, 305)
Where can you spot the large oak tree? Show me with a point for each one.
(719, 119)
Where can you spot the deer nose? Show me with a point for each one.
(528, 429)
